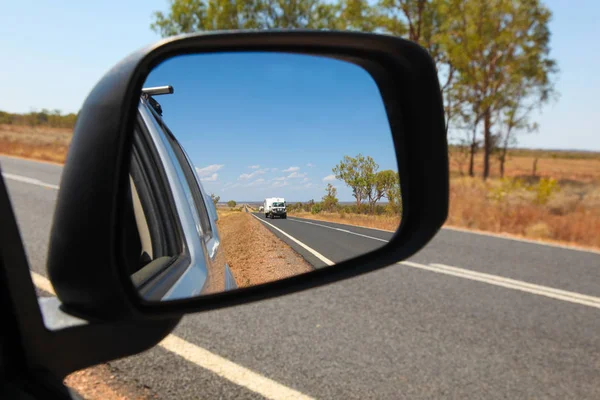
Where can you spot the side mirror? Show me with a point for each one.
(307, 133)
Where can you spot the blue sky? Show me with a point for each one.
(53, 52)
(262, 125)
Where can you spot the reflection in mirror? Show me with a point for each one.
(252, 167)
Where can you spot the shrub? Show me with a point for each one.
(506, 187)
(544, 189)
(316, 208)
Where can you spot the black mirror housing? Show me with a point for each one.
(83, 256)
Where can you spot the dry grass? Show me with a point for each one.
(46, 144)
(571, 216)
(585, 169)
(100, 383)
(253, 253)
(388, 223)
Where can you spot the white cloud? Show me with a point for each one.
(279, 184)
(309, 165)
(329, 178)
(296, 175)
(208, 171)
(291, 169)
(308, 185)
(254, 166)
(305, 179)
(256, 182)
(274, 169)
(211, 178)
(244, 177)
(281, 178)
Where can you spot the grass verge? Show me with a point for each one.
(254, 254)
(42, 143)
(568, 214)
(100, 383)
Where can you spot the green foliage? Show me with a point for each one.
(308, 205)
(215, 198)
(231, 203)
(359, 174)
(185, 16)
(492, 56)
(394, 196)
(316, 208)
(500, 50)
(385, 182)
(330, 201)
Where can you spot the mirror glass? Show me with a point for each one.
(252, 167)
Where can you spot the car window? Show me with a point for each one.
(190, 177)
(149, 215)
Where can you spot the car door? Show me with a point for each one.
(211, 266)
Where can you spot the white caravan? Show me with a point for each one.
(275, 207)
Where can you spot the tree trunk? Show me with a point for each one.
(503, 160)
(473, 150)
(472, 160)
(487, 144)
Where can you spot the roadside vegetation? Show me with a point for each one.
(253, 253)
(541, 196)
(39, 142)
(496, 72)
(42, 135)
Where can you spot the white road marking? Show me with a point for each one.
(508, 236)
(307, 248)
(31, 181)
(42, 282)
(558, 294)
(496, 280)
(352, 225)
(224, 368)
(340, 230)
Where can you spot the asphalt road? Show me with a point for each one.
(401, 332)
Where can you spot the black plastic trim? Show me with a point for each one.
(95, 172)
(39, 352)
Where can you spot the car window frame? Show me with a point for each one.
(207, 231)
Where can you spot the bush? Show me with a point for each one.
(316, 208)
(506, 187)
(544, 189)
(308, 206)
